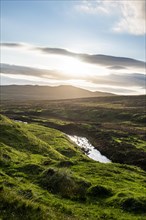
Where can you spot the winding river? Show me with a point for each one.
(89, 150)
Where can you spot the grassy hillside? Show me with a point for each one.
(45, 176)
(114, 125)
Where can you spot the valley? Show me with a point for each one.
(45, 175)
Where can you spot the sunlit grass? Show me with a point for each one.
(38, 185)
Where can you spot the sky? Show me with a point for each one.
(97, 45)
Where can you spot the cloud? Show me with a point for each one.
(105, 60)
(92, 7)
(120, 90)
(133, 17)
(28, 71)
(110, 62)
(56, 51)
(7, 80)
(97, 59)
(12, 45)
(118, 80)
(130, 15)
(122, 80)
(116, 67)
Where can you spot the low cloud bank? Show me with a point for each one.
(128, 80)
(96, 59)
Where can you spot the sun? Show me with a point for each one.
(73, 67)
(80, 70)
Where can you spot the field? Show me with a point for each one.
(46, 176)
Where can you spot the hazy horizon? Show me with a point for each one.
(96, 45)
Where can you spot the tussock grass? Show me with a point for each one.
(38, 182)
(62, 182)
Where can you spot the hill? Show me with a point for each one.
(29, 92)
(45, 176)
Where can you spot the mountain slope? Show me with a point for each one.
(29, 92)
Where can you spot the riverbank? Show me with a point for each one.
(45, 176)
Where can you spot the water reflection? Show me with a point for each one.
(21, 121)
(89, 150)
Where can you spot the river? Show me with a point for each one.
(21, 121)
(89, 150)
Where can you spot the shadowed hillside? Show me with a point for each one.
(29, 92)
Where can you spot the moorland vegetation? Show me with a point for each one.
(44, 175)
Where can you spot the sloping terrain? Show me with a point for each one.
(114, 125)
(45, 176)
(29, 92)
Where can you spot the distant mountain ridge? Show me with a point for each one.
(35, 92)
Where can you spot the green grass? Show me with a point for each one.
(45, 176)
(56, 139)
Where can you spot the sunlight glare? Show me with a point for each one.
(73, 67)
(79, 69)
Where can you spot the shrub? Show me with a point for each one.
(63, 183)
(137, 205)
(32, 169)
(99, 191)
(66, 163)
